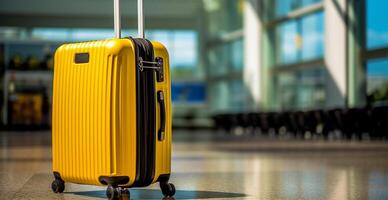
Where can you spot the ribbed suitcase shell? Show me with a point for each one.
(94, 112)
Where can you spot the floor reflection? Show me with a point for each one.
(204, 171)
(156, 194)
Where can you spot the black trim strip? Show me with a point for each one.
(145, 115)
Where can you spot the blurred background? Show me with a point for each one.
(287, 97)
(227, 57)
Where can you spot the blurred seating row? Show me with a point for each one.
(349, 123)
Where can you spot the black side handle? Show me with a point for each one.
(161, 132)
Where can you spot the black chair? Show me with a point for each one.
(224, 121)
(380, 118)
(300, 123)
(329, 126)
(273, 124)
(233, 121)
(366, 121)
(315, 123)
(242, 121)
(282, 123)
(357, 122)
(292, 123)
(319, 116)
(264, 122)
(216, 121)
(336, 118)
(349, 120)
(310, 122)
(255, 121)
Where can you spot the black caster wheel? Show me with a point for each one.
(113, 193)
(168, 189)
(125, 194)
(58, 186)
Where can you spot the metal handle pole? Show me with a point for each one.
(117, 23)
(140, 19)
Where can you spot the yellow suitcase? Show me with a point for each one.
(111, 122)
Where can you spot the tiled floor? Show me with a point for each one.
(208, 168)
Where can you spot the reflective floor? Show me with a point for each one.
(206, 167)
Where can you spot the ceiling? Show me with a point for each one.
(166, 14)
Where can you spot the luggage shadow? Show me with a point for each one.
(157, 194)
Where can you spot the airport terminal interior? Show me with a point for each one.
(271, 99)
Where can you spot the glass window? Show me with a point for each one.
(377, 80)
(162, 36)
(185, 49)
(8, 32)
(239, 96)
(218, 60)
(54, 34)
(312, 36)
(301, 89)
(237, 51)
(377, 23)
(377, 37)
(283, 7)
(287, 47)
(300, 40)
(90, 34)
(29, 55)
(130, 32)
(219, 95)
(73, 34)
(229, 95)
(223, 16)
(226, 58)
(182, 44)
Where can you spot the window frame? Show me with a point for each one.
(367, 54)
(230, 74)
(270, 68)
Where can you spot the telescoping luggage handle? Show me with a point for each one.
(117, 22)
(157, 64)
